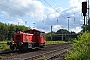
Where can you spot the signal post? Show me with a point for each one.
(84, 11)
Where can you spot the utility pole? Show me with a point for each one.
(62, 34)
(51, 32)
(57, 21)
(68, 23)
(87, 11)
(33, 25)
(25, 22)
(18, 23)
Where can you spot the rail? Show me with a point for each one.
(49, 55)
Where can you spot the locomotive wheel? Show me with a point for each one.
(11, 47)
(23, 50)
(41, 46)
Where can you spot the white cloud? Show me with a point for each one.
(74, 3)
(21, 8)
(73, 11)
(77, 29)
(35, 9)
(56, 27)
(54, 15)
(18, 21)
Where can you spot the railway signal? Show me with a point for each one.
(84, 11)
(84, 8)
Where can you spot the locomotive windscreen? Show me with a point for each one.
(36, 33)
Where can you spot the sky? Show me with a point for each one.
(41, 14)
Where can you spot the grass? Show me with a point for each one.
(54, 42)
(4, 41)
(4, 46)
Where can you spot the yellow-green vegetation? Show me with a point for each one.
(54, 42)
(3, 46)
(1, 57)
(81, 48)
(3, 42)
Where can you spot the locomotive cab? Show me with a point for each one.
(38, 38)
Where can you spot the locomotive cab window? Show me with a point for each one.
(37, 33)
(42, 34)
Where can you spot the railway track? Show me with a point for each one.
(49, 52)
(7, 52)
(52, 55)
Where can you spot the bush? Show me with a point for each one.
(81, 48)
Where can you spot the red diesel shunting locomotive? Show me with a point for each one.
(28, 39)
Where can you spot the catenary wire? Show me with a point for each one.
(56, 3)
(53, 8)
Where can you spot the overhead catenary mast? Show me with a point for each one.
(88, 10)
(68, 23)
(87, 18)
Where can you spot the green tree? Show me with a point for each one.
(3, 31)
(64, 31)
(7, 30)
(49, 35)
